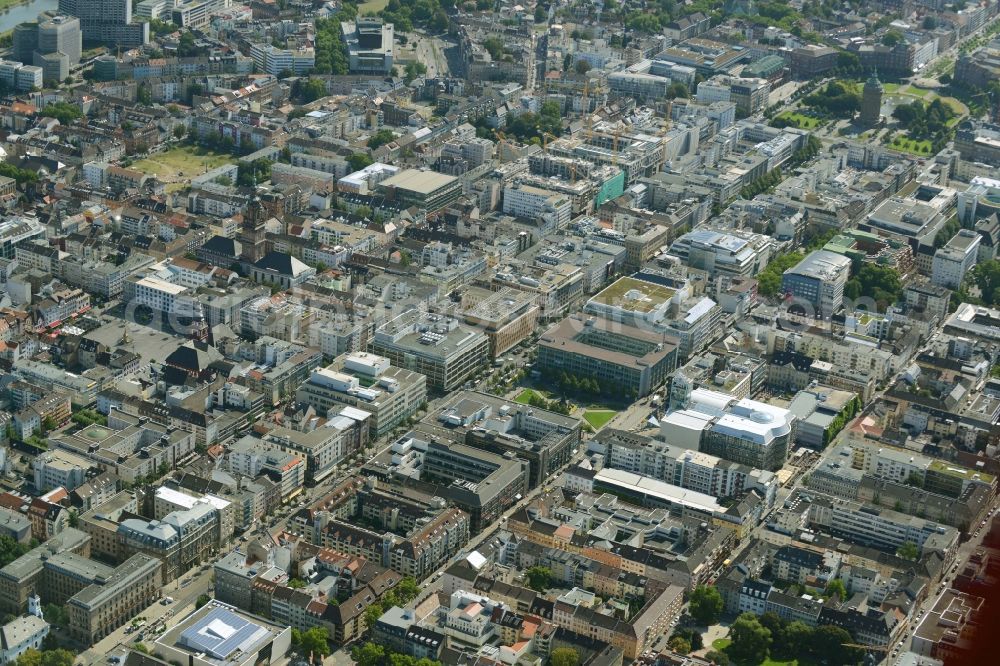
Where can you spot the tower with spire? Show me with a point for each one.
(253, 236)
(871, 101)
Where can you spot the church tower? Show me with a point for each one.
(252, 235)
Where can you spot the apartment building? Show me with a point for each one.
(182, 539)
(325, 447)
(367, 382)
(251, 457)
(953, 261)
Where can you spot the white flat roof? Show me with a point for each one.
(661, 490)
(162, 285)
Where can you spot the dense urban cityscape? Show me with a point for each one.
(475, 333)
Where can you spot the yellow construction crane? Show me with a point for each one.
(870, 648)
(545, 140)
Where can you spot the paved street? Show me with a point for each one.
(184, 595)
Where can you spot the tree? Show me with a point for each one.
(414, 70)
(679, 645)
(828, 644)
(30, 657)
(892, 37)
(750, 640)
(141, 647)
(369, 654)
(407, 590)
(309, 90)
(296, 583)
(908, 551)
(316, 640)
(372, 614)
(539, 578)
(986, 276)
(10, 550)
(773, 623)
(692, 636)
(179, 131)
(380, 138)
(564, 656)
(582, 66)
(796, 643)
(202, 600)
(706, 605)
(74, 518)
(359, 161)
(716, 657)
(836, 587)
(56, 614)
(58, 657)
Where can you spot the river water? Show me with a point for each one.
(26, 11)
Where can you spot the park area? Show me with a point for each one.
(799, 120)
(178, 165)
(598, 418)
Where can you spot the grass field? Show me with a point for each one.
(801, 120)
(890, 87)
(911, 146)
(177, 166)
(597, 418)
(524, 397)
(372, 7)
(721, 644)
(916, 92)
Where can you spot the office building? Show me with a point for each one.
(734, 253)
(817, 282)
(108, 22)
(369, 43)
(953, 261)
(113, 600)
(623, 358)
(437, 346)
(272, 60)
(220, 634)
(745, 431)
(370, 383)
(507, 316)
(19, 77)
(530, 202)
(427, 190)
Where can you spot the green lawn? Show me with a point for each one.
(524, 397)
(721, 644)
(916, 92)
(372, 7)
(890, 87)
(922, 148)
(597, 418)
(801, 120)
(180, 164)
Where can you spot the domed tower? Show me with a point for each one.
(871, 101)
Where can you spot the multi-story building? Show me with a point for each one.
(733, 253)
(692, 470)
(107, 21)
(370, 383)
(530, 202)
(635, 360)
(435, 345)
(324, 448)
(818, 282)
(481, 483)
(953, 261)
(369, 43)
(507, 316)
(20, 77)
(428, 190)
(252, 457)
(21, 634)
(101, 608)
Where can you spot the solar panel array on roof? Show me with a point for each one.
(221, 632)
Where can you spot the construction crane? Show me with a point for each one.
(545, 140)
(870, 648)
